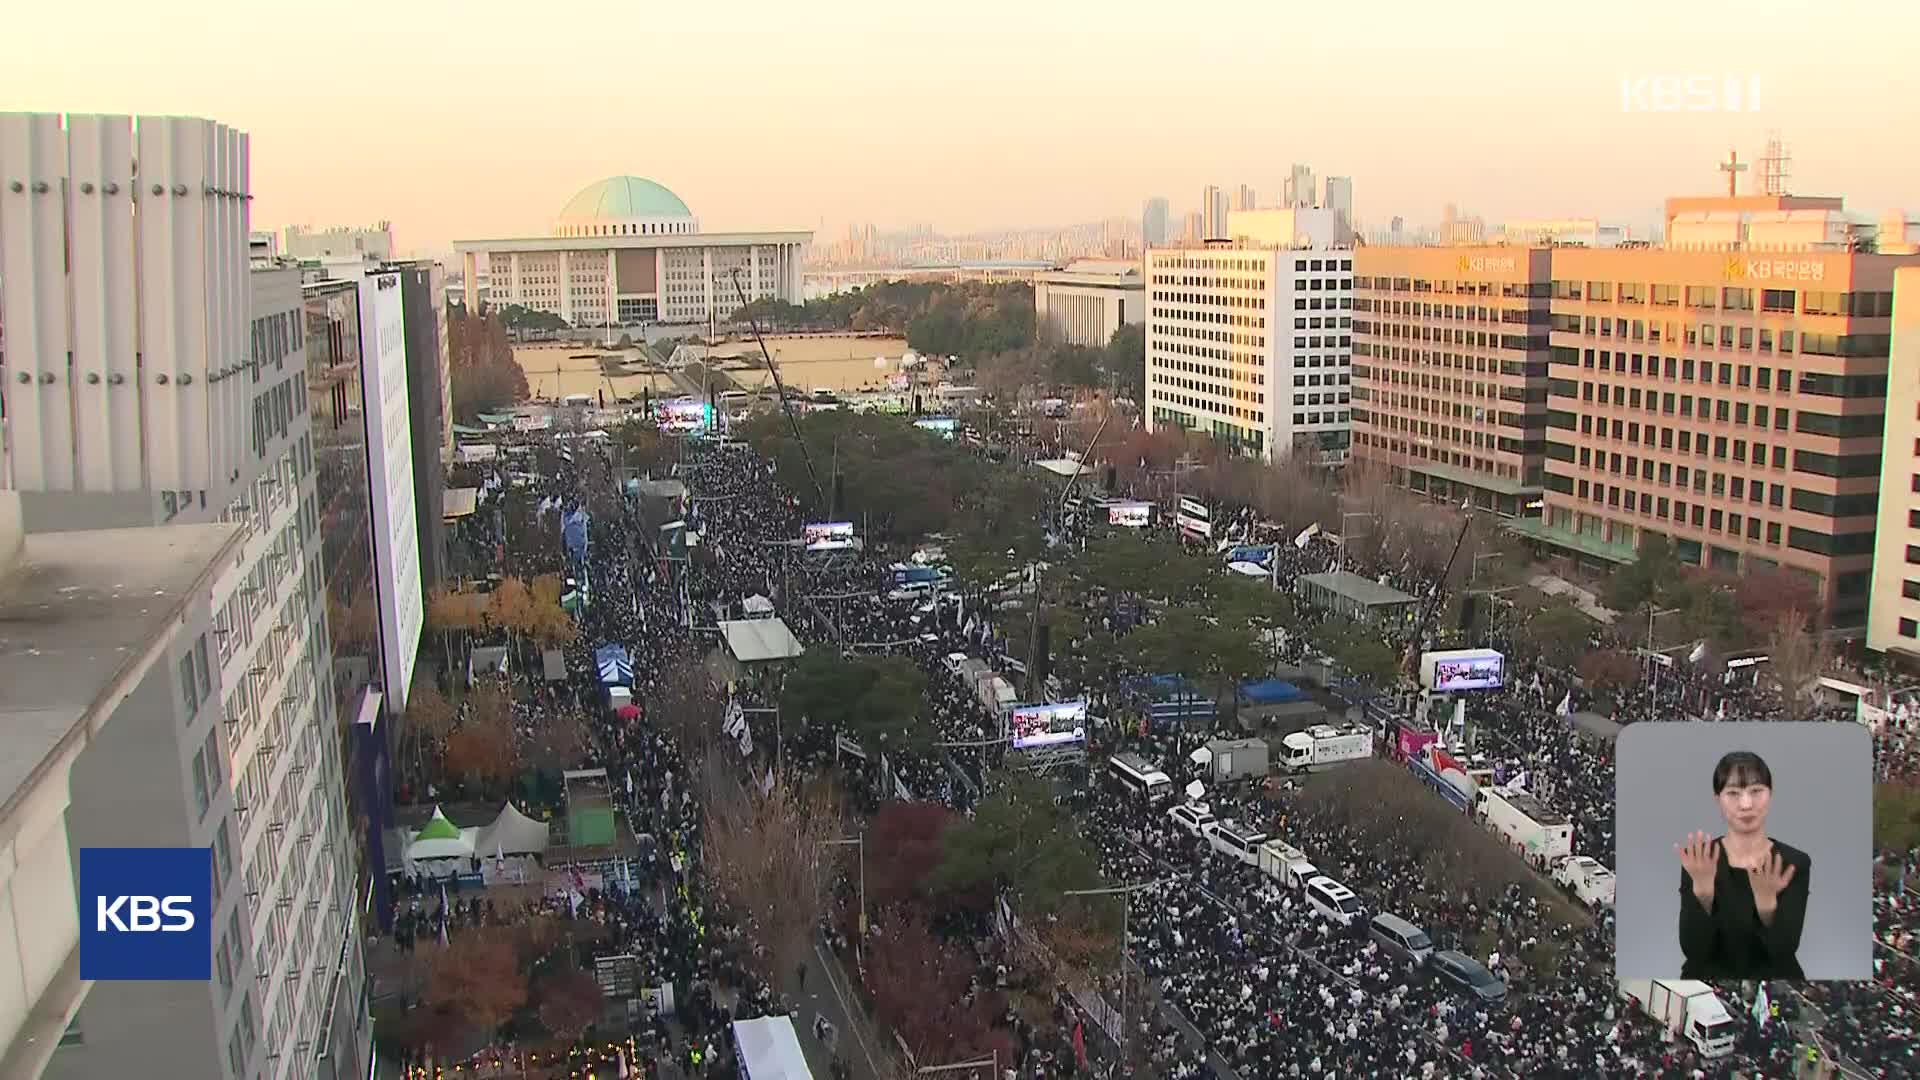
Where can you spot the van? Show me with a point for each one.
(1400, 937)
(1236, 841)
(1332, 899)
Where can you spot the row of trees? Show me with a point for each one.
(1119, 367)
(524, 612)
(488, 978)
(967, 319)
(485, 377)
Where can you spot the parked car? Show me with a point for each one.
(1467, 975)
(1194, 819)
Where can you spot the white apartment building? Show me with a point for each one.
(1893, 612)
(1084, 302)
(1545, 232)
(626, 251)
(187, 407)
(1252, 344)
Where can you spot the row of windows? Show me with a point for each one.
(1727, 337)
(1867, 305)
(1527, 290)
(1739, 413)
(1529, 316)
(1528, 474)
(1722, 447)
(1720, 485)
(1712, 519)
(1725, 373)
(645, 228)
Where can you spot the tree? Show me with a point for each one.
(875, 700)
(1126, 361)
(1359, 650)
(1607, 672)
(1021, 842)
(482, 751)
(449, 613)
(1654, 570)
(510, 608)
(764, 854)
(483, 375)
(571, 1001)
(919, 988)
(905, 844)
(1797, 657)
(429, 720)
(478, 979)
(1559, 633)
(1766, 593)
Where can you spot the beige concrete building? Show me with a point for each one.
(1450, 371)
(626, 251)
(1730, 401)
(1084, 302)
(1893, 620)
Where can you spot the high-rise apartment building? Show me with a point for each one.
(1252, 344)
(1339, 199)
(188, 407)
(1299, 187)
(1195, 229)
(1450, 371)
(1731, 401)
(1893, 618)
(1243, 198)
(1213, 212)
(1155, 222)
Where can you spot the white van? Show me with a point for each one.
(1332, 899)
(1236, 841)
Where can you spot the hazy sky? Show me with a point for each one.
(480, 119)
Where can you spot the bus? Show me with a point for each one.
(1132, 772)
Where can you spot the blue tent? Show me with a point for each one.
(573, 531)
(616, 666)
(1173, 700)
(1271, 692)
(1257, 554)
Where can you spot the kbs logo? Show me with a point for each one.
(146, 913)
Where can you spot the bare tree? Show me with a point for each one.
(1797, 656)
(763, 853)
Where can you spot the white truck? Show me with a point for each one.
(1587, 878)
(1228, 760)
(1688, 1008)
(1536, 833)
(1286, 864)
(1323, 746)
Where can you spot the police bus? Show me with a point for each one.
(1131, 771)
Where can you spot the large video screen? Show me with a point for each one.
(944, 426)
(684, 415)
(1479, 669)
(1048, 725)
(828, 535)
(1134, 515)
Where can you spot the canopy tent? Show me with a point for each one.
(769, 1049)
(573, 530)
(615, 664)
(440, 838)
(459, 502)
(512, 833)
(757, 605)
(751, 641)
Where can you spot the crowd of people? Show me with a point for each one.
(1272, 987)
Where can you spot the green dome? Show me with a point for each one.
(619, 197)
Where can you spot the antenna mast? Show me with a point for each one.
(778, 386)
(1775, 165)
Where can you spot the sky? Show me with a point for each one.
(480, 119)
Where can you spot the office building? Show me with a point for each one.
(1732, 401)
(626, 251)
(1893, 619)
(1563, 232)
(1450, 371)
(1213, 212)
(1306, 227)
(1084, 302)
(189, 416)
(431, 433)
(1460, 230)
(1252, 345)
(371, 244)
(1299, 187)
(1339, 199)
(1156, 222)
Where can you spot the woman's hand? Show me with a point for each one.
(1700, 857)
(1769, 879)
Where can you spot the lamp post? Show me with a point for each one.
(1125, 892)
(1345, 516)
(860, 843)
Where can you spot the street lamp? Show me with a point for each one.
(1345, 516)
(859, 842)
(1125, 892)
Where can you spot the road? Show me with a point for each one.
(829, 992)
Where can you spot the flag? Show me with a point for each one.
(499, 857)
(766, 785)
(1565, 708)
(1720, 712)
(1760, 1009)
(1080, 1045)
(1306, 534)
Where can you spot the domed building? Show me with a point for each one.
(627, 251)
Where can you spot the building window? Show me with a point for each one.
(188, 694)
(1909, 628)
(201, 795)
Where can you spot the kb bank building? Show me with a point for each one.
(210, 602)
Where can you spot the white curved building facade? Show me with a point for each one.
(626, 251)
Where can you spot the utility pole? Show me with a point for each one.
(1034, 686)
(860, 843)
(1125, 892)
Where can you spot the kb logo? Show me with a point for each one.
(146, 913)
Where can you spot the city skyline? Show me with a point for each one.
(340, 135)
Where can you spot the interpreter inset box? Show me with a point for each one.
(1744, 850)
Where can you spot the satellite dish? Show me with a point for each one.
(1195, 790)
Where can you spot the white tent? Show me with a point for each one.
(769, 1049)
(512, 833)
(441, 839)
(757, 605)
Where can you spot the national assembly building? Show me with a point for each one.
(626, 251)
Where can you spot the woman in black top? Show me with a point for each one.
(1742, 901)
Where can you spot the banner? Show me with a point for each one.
(1193, 517)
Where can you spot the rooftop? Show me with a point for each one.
(82, 616)
(1364, 590)
(754, 640)
(619, 197)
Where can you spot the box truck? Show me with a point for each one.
(1686, 1007)
(1323, 746)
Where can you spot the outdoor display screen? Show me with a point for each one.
(1048, 725)
(828, 535)
(1133, 515)
(939, 425)
(1486, 671)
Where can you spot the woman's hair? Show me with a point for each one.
(1742, 767)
